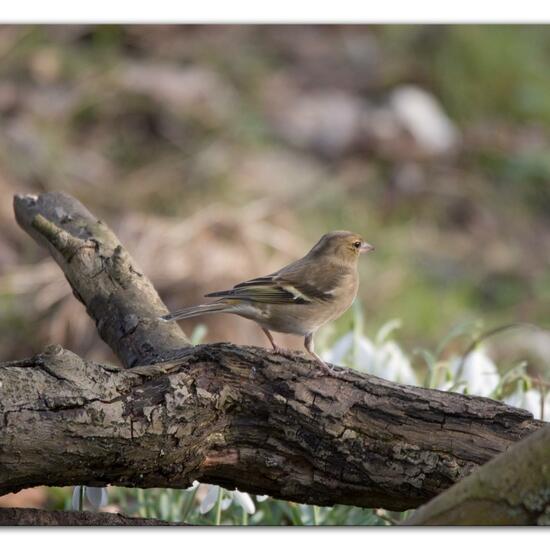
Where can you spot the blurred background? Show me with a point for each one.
(220, 153)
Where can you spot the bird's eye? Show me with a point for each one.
(357, 244)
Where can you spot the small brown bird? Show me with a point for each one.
(300, 297)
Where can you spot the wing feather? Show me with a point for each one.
(268, 294)
(297, 283)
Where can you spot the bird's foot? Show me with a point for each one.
(282, 351)
(327, 369)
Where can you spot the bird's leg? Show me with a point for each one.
(268, 334)
(308, 344)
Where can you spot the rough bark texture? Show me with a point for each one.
(267, 423)
(118, 297)
(512, 489)
(244, 417)
(31, 516)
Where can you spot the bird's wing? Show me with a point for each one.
(269, 290)
(294, 284)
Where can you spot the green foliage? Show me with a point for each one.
(182, 506)
(491, 71)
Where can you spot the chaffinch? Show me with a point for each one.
(300, 297)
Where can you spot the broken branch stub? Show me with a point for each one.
(118, 296)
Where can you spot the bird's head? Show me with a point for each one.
(342, 245)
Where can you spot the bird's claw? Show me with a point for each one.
(329, 370)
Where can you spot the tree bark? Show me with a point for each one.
(264, 422)
(511, 489)
(103, 276)
(247, 418)
(32, 516)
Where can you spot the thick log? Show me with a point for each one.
(243, 417)
(512, 489)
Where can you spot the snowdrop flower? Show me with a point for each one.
(193, 486)
(245, 501)
(342, 352)
(477, 372)
(96, 496)
(530, 400)
(384, 359)
(210, 499)
(393, 364)
(242, 499)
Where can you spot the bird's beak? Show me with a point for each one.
(366, 247)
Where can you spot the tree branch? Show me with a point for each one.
(119, 298)
(511, 489)
(267, 423)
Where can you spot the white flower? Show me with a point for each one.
(530, 400)
(96, 496)
(210, 499)
(242, 499)
(193, 486)
(384, 359)
(477, 372)
(340, 350)
(393, 364)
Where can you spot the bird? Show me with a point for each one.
(298, 298)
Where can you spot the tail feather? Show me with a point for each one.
(194, 311)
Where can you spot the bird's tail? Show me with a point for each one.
(194, 311)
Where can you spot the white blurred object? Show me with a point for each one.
(244, 500)
(394, 365)
(421, 114)
(384, 359)
(342, 349)
(477, 372)
(96, 496)
(194, 485)
(210, 499)
(530, 400)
